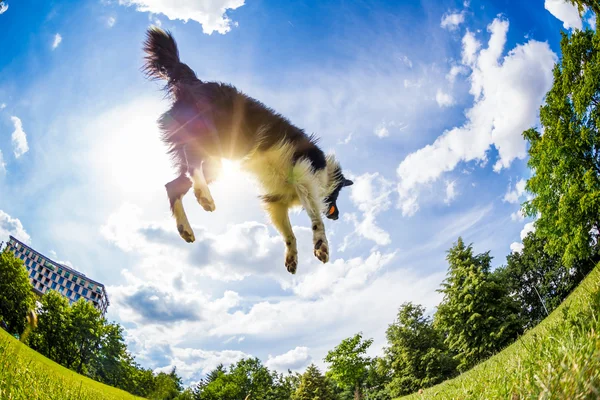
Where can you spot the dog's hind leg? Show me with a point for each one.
(278, 212)
(307, 194)
(176, 189)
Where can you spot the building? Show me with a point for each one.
(45, 274)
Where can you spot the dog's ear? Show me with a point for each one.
(347, 182)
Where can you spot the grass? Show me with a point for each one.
(558, 359)
(26, 374)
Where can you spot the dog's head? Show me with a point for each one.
(336, 181)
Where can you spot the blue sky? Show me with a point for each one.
(423, 102)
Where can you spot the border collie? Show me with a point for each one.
(209, 121)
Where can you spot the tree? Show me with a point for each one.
(52, 336)
(539, 281)
(313, 386)
(110, 364)
(349, 364)
(565, 159)
(476, 315)
(166, 386)
(284, 386)
(416, 353)
(246, 377)
(16, 295)
(85, 331)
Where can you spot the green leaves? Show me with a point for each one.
(477, 316)
(349, 363)
(313, 386)
(416, 352)
(16, 296)
(565, 159)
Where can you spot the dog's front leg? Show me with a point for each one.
(311, 204)
(278, 212)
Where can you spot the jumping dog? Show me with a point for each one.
(209, 121)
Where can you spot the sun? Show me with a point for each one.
(230, 170)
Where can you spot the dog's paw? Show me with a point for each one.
(205, 200)
(322, 250)
(291, 261)
(186, 232)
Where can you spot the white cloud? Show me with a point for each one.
(517, 247)
(19, 138)
(370, 193)
(382, 131)
(407, 61)
(592, 21)
(2, 106)
(294, 360)
(2, 163)
(444, 99)
(111, 21)
(154, 19)
(528, 228)
(193, 363)
(451, 192)
(12, 226)
(517, 216)
(507, 92)
(3, 7)
(57, 41)
(212, 15)
(346, 140)
(470, 47)
(451, 21)
(566, 12)
(513, 195)
(455, 71)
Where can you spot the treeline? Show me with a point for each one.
(77, 337)
(482, 312)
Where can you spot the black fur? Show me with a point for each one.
(212, 119)
(215, 119)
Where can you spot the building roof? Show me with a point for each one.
(72, 270)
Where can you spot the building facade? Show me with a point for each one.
(45, 274)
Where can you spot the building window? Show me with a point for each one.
(77, 296)
(76, 288)
(54, 276)
(69, 293)
(69, 285)
(33, 265)
(61, 280)
(53, 285)
(84, 292)
(67, 274)
(91, 286)
(74, 278)
(27, 262)
(60, 271)
(46, 273)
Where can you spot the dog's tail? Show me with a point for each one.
(162, 59)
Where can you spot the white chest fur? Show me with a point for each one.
(278, 176)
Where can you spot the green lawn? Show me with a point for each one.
(26, 374)
(558, 359)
